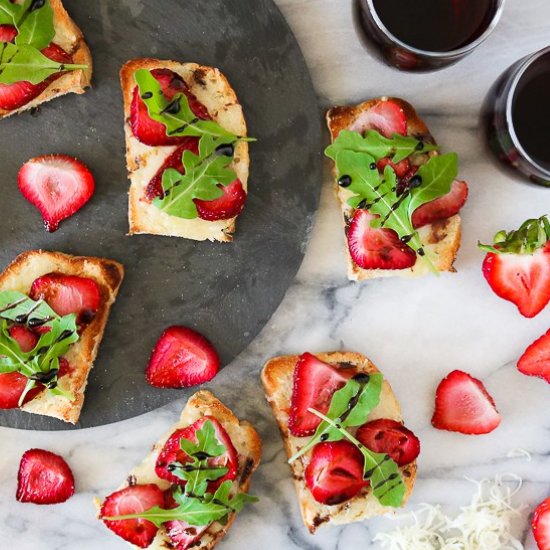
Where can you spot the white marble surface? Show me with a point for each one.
(416, 331)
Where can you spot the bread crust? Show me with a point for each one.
(213, 90)
(108, 274)
(245, 439)
(277, 378)
(69, 36)
(441, 239)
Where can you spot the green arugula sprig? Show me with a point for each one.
(205, 171)
(373, 143)
(41, 364)
(196, 510)
(355, 157)
(531, 235)
(176, 114)
(23, 61)
(198, 473)
(349, 407)
(196, 505)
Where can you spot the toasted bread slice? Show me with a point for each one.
(277, 378)
(69, 37)
(441, 239)
(245, 440)
(108, 274)
(213, 90)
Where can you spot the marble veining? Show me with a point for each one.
(414, 330)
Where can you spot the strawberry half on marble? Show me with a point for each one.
(44, 478)
(517, 266)
(540, 524)
(535, 360)
(462, 404)
(58, 185)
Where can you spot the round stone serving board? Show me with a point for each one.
(227, 291)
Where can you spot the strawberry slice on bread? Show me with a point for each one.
(517, 266)
(391, 155)
(332, 477)
(462, 404)
(78, 292)
(206, 428)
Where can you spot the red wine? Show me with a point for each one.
(531, 111)
(436, 25)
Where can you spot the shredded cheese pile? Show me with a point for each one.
(486, 524)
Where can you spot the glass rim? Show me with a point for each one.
(524, 66)
(434, 54)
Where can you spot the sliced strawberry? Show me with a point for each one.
(12, 385)
(387, 117)
(229, 205)
(444, 207)
(133, 500)
(182, 358)
(68, 294)
(541, 525)
(523, 279)
(26, 339)
(174, 160)
(172, 452)
(58, 185)
(391, 438)
(374, 248)
(535, 361)
(314, 384)
(463, 405)
(182, 535)
(7, 33)
(13, 96)
(150, 131)
(65, 368)
(335, 472)
(401, 168)
(44, 478)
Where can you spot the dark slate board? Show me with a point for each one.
(226, 291)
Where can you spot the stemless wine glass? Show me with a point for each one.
(520, 138)
(398, 53)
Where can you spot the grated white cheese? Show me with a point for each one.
(485, 524)
(519, 453)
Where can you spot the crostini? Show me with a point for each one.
(53, 313)
(188, 490)
(399, 198)
(350, 454)
(186, 150)
(44, 55)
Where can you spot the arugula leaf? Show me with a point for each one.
(35, 24)
(26, 63)
(382, 472)
(9, 12)
(197, 511)
(378, 146)
(203, 173)
(198, 472)
(175, 114)
(349, 406)
(437, 176)
(18, 307)
(41, 364)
